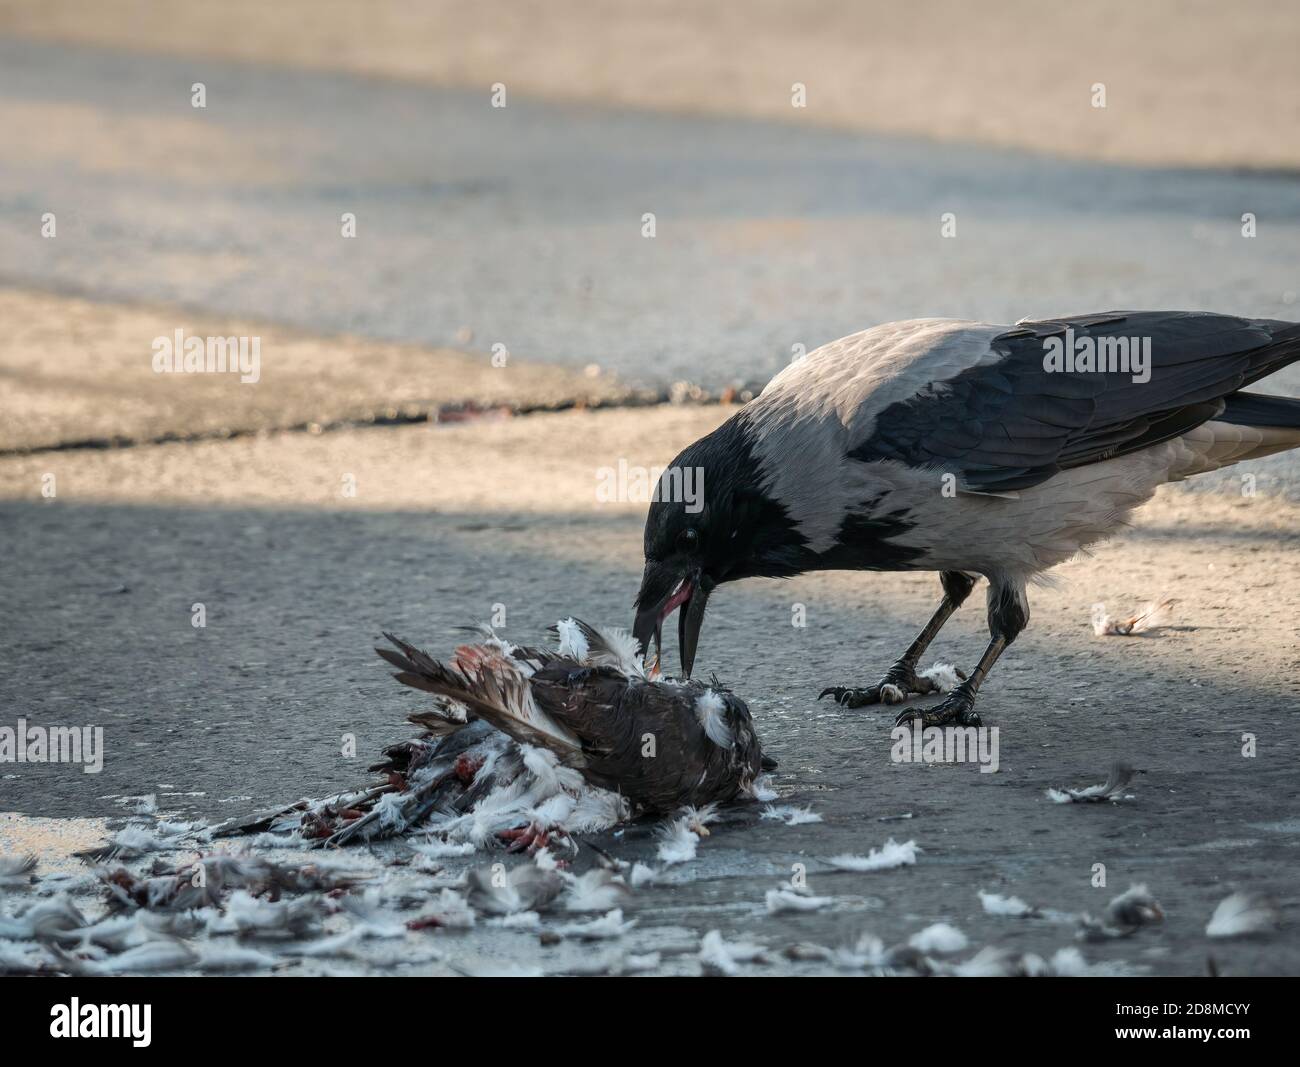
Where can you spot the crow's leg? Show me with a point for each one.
(901, 680)
(1008, 615)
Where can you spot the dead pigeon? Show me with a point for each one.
(526, 746)
(661, 744)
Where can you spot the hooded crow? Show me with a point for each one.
(970, 449)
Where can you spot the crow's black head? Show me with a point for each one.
(710, 522)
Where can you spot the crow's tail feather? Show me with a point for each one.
(1256, 409)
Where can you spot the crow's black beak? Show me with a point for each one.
(664, 589)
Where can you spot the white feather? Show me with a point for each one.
(610, 925)
(437, 849)
(552, 776)
(779, 900)
(519, 920)
(711, 711)
(594, 890)
(151, 957)
(389, 814)
(677, 843)
(995, 904)
(790, 815)
(725, 957)
(624, 649)
(940, 939)
(17, 870)
(867, 951)
(573, 642)
(890, 854)
(1149, 617)
(641, 875)
(218, 957)
(944, 676)
(1241, 914)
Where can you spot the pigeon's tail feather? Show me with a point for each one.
(491, 685)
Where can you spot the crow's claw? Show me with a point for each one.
(900, 682)
(850, 697)
(956, 710)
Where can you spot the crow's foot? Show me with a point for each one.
(958, 709)
(900, 682)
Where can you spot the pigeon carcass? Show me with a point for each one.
(525, 743)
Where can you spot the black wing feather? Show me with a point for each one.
(1010, 424)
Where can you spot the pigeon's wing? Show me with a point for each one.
(1007, 422)
(662, 744)
(492, 686)
(586, 701)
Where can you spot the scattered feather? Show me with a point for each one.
(45, 920)
(641, 875)
(340, 944)
(596, 890)
(1243, 914)
(370, 917)
(996, 904)
(890, 854)
(677, 842)
(943, 676)
(16, 870)
(997, 962)
(219, 957)
(779, 900)
(699, 818)
(293, 917)
(790, 815)
(1112, 789)
(523, 888)
(941, 939)
(450, 910)
(438, 849)
(609, 925)
(519, 920)
(152, 957)
(718, 956)
(132, 841)
(866, 952)
(1149, 617)
(1134, 907)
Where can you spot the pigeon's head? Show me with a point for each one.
(709, 522)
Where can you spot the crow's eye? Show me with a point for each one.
(688, 540)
